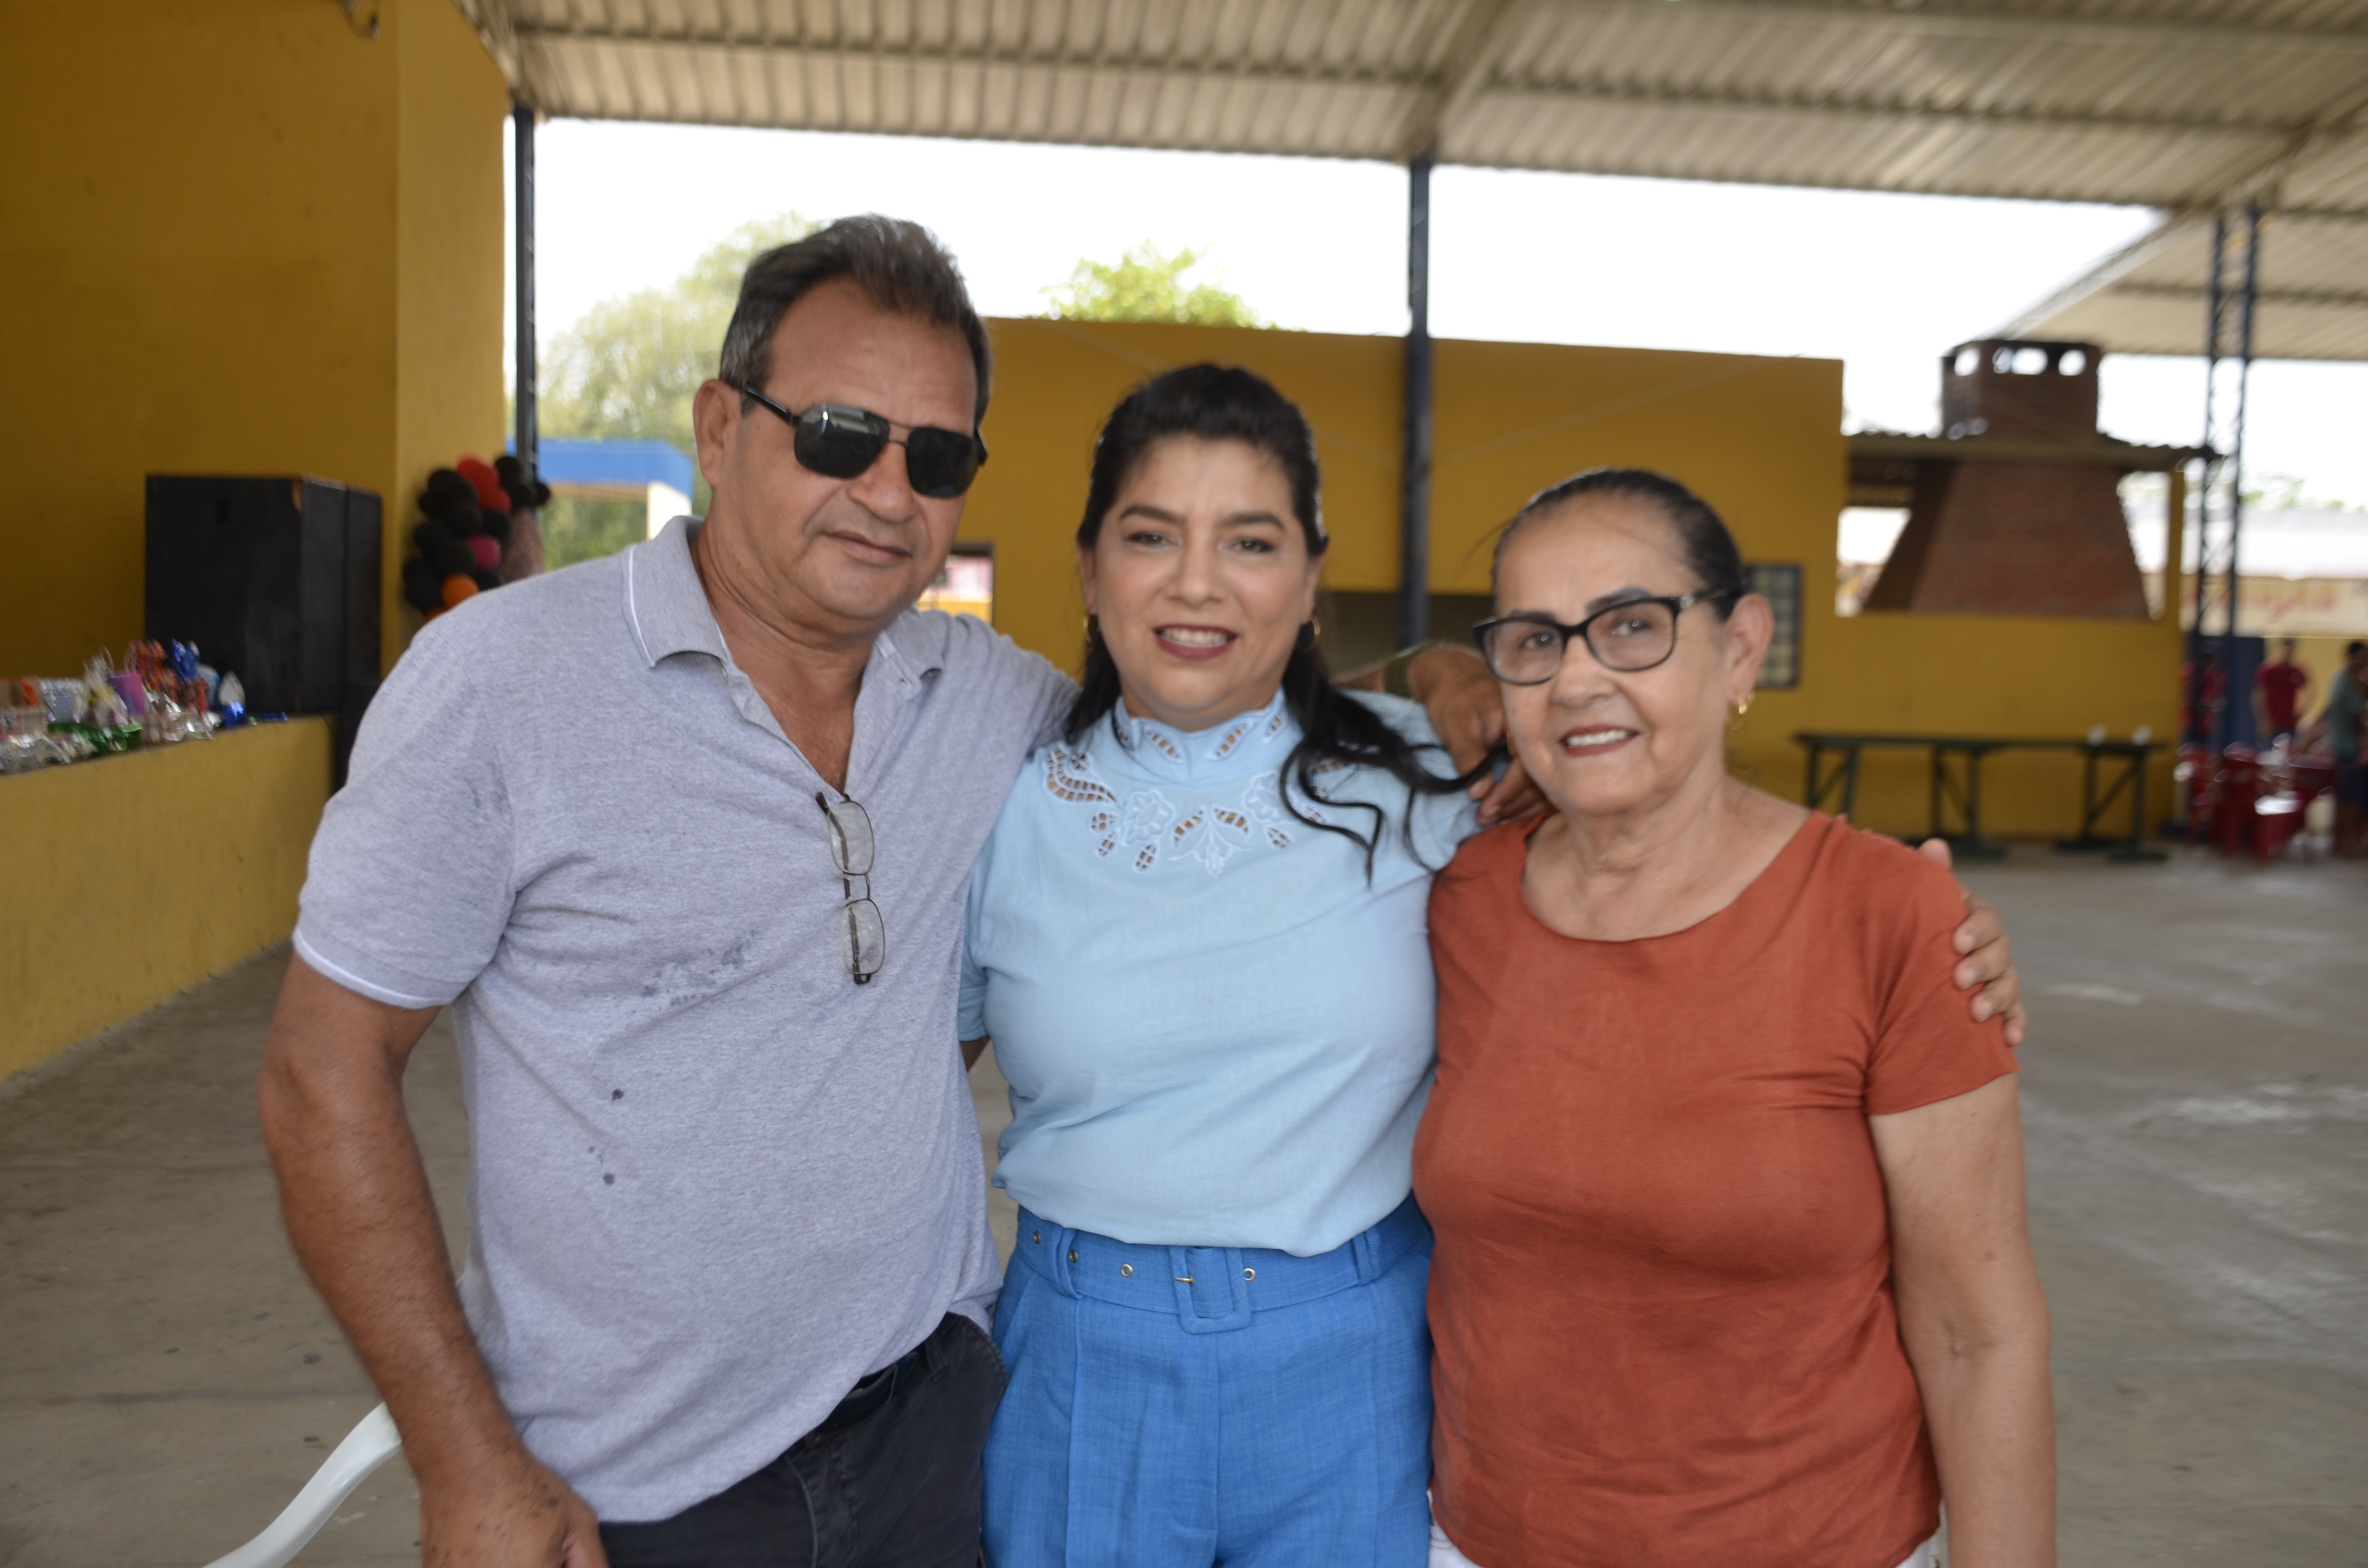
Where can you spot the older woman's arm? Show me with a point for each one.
(1974, 1319)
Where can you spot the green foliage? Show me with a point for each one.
(628, 369)
(576, 528)
(1146, 285)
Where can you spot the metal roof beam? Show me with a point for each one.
(1463, 70)
(1997, 26)
(1758, 100)
(952, 55)
(2326, 298)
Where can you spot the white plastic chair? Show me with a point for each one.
(367, 1446)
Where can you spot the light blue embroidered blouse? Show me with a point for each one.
(1217, 1032)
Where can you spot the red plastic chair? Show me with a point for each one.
(2236, 785)
(2276, 819)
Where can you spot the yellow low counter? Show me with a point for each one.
(130, 878)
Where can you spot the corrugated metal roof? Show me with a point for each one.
(2185, 104)
(2151, 298)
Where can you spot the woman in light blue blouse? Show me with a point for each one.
(1196, 938)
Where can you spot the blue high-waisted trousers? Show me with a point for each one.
(1180, 1407)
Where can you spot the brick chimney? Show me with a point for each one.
(2003, 387)
(2016, 510)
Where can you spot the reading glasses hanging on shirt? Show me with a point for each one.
(851, 850)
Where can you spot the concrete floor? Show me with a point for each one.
(2196, 1091)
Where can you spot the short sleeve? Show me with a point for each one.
(410, 881)
(1926, 1048)
(1023, 682)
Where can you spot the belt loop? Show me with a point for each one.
(1064, 1244)
(1050, 1245)
(1365, 1247)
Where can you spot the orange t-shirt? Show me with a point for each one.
(1661, 1294)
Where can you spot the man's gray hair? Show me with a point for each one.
(898, 263)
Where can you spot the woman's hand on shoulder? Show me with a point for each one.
(1987, 968)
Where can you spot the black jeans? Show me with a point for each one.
(889, 1481)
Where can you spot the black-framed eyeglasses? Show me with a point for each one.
(851, 850)
(841, 442)
(1634, 634)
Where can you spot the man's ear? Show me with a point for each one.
(714, 422)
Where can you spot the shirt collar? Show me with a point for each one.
(1249, 742)
(664, 601)
(667, 606)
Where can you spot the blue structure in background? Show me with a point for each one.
(613, 464)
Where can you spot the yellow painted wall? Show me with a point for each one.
(235, 237)
(450, 235)
(135, 877)
(1758, 438)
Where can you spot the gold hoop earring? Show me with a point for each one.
(1736, 722)
(1310, 631)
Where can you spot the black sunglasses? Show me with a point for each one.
(842, 442)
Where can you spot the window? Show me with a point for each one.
(1780, 586)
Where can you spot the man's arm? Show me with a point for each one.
(363, 1221)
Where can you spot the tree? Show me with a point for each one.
(628, 371)
(1146, 285)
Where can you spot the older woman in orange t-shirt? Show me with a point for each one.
(1731, 1262)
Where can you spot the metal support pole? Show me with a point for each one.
(2212, 310)
(2245, 301)
(1413, 527)
(522, 140)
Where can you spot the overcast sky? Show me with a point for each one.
(1885, 283)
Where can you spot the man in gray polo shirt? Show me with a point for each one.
(723, 1167)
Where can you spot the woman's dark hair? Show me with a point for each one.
(1703, 536)
(1224, 403)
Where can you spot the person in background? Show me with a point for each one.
(2341, 722)
(1197, 940)
(2278, 695)
(1731, 1262)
